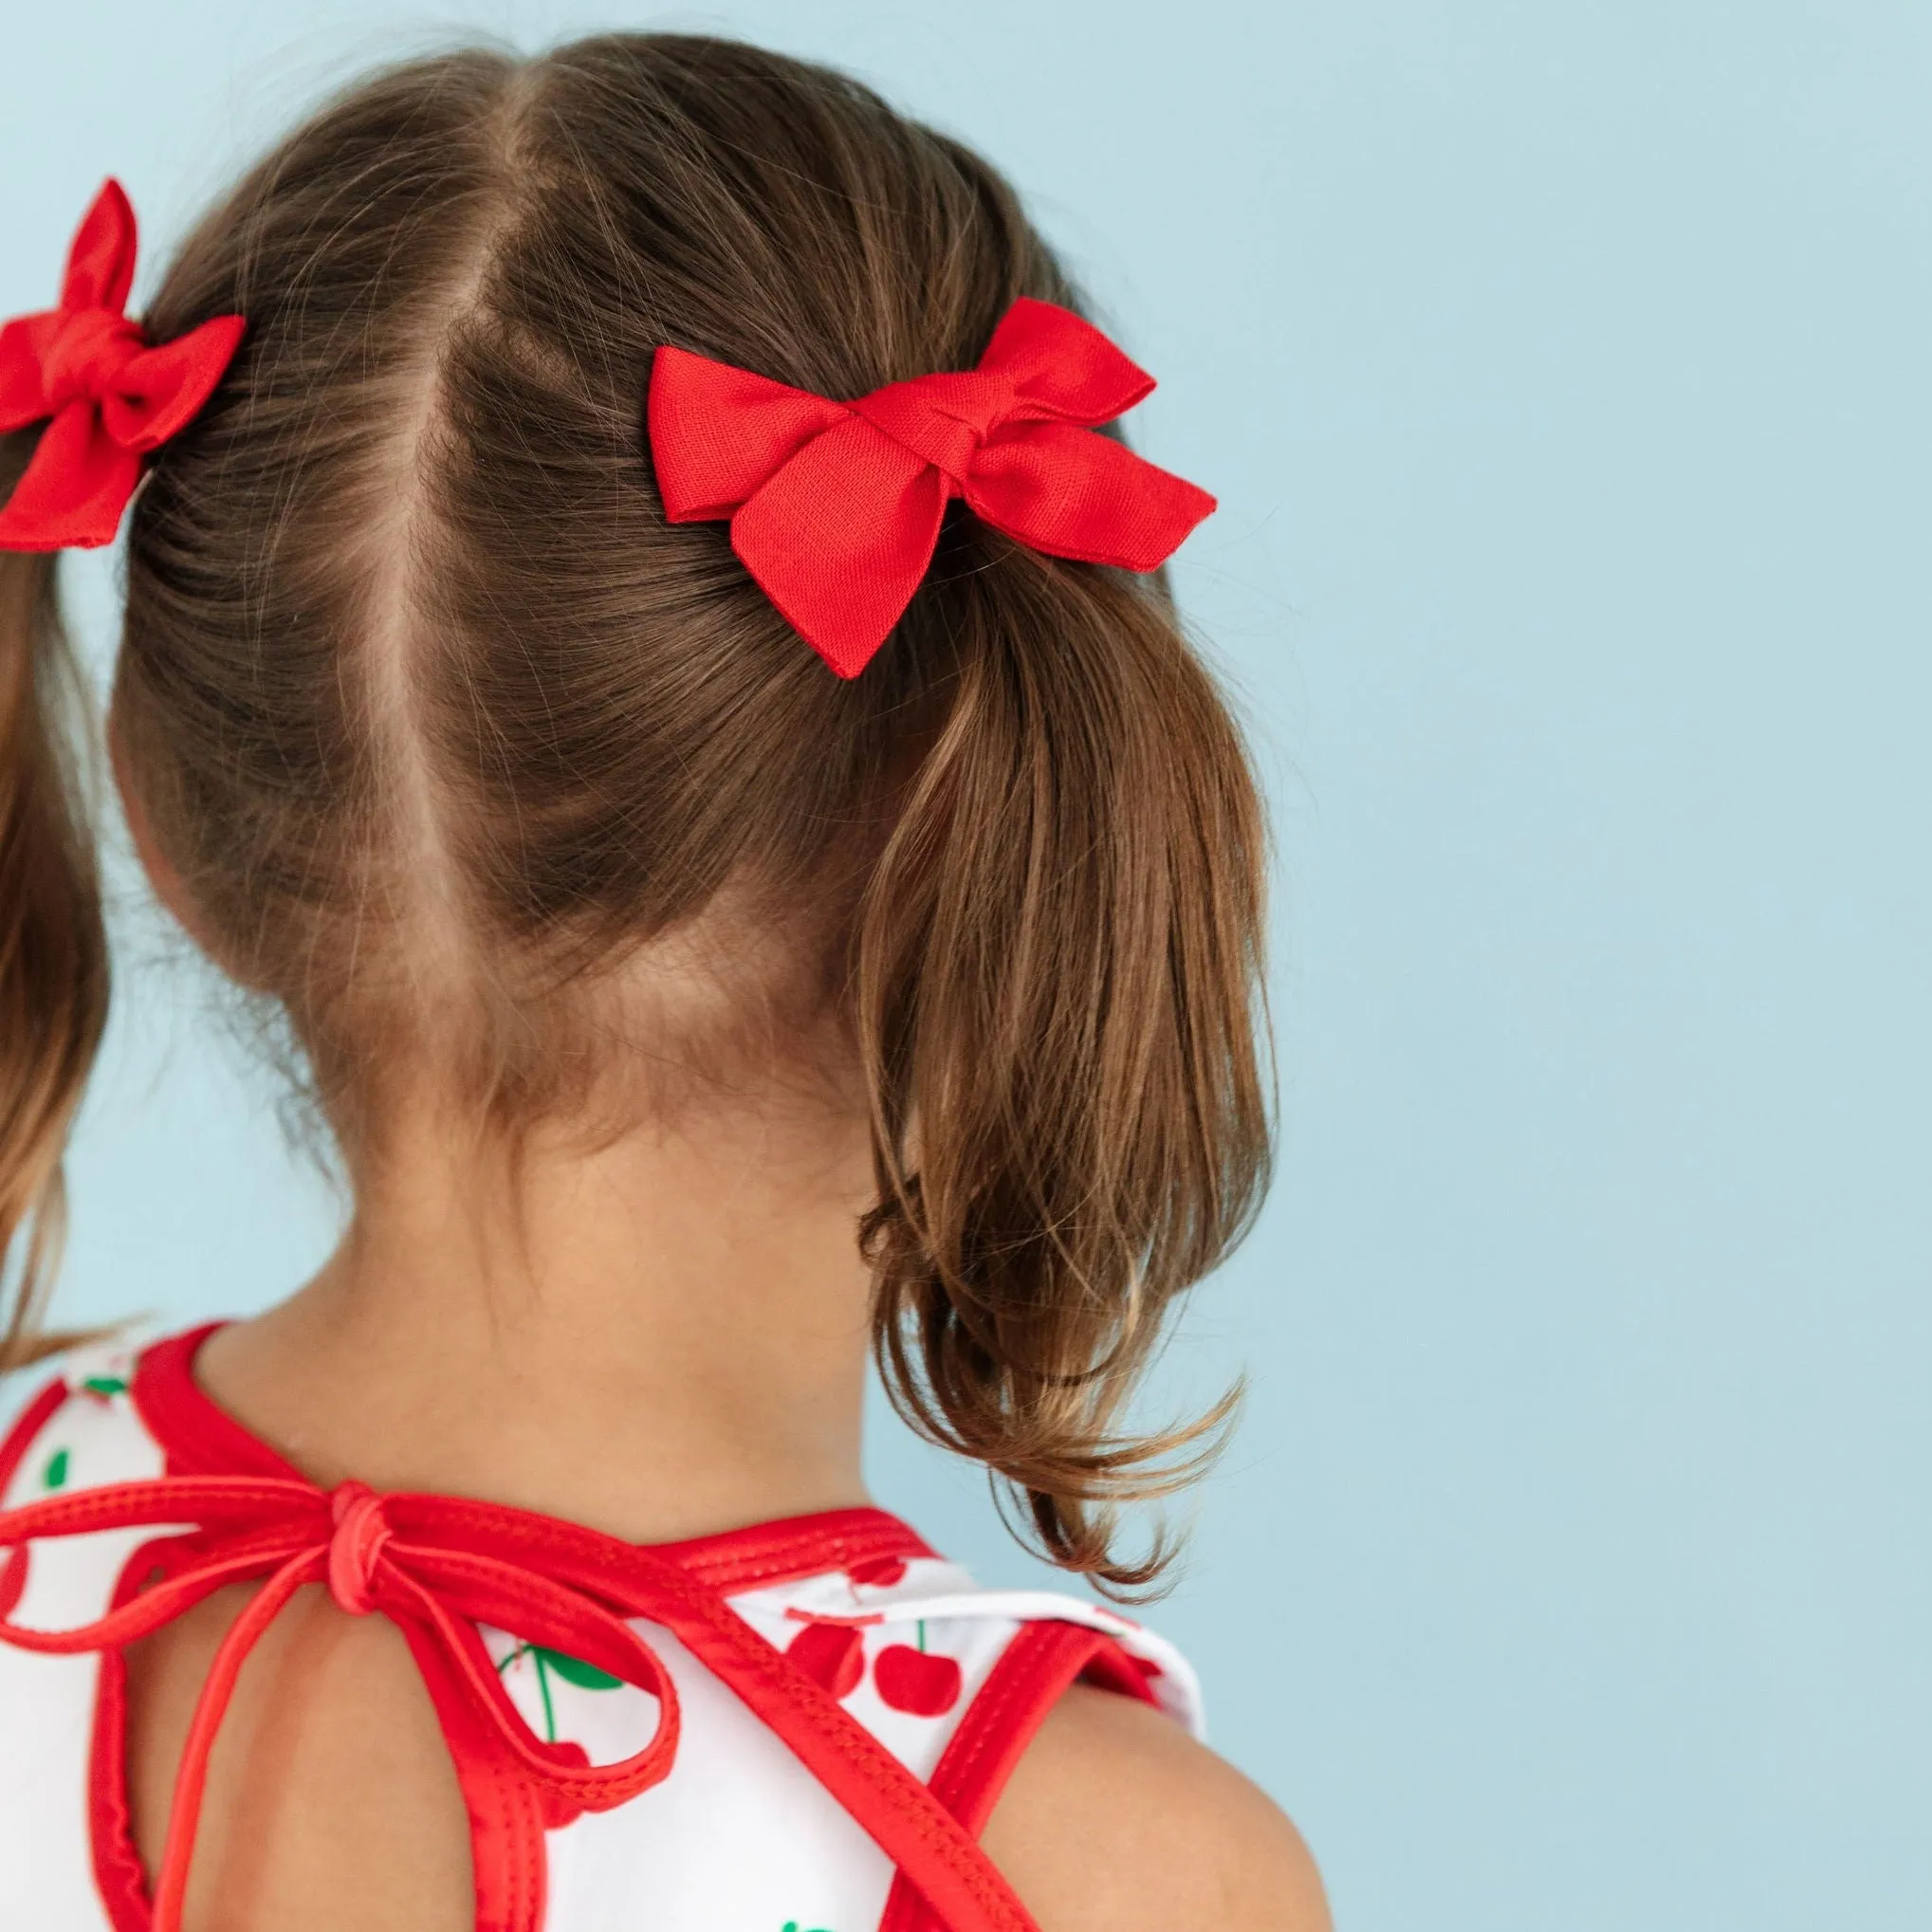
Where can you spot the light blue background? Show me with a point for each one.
(1563, 370)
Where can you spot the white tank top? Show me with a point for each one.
(848, 1703)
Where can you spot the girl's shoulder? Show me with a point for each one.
(1106, 1810)
(1114, 1820)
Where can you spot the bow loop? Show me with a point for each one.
(1062, 365)
(107, 396)
(835, 508)
(730, 430)
(101, 258)
(437, 1566)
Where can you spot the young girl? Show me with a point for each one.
(644, 650)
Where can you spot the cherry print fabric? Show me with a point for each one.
(740, 1834)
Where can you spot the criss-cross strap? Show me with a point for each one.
(437, 1567)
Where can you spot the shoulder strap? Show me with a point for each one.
(1033, 1673)
(934, 1851)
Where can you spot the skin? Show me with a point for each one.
(660, 1339)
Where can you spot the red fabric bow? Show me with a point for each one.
(835, 507)
(106, 396)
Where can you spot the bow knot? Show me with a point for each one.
(943, 420)
(106, 396)
(835, 507)
(361, 1531)
(86, 350)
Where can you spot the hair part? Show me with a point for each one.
(442, 724)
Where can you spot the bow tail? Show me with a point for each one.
(184, 1815)
(101, 259)
(1062, 365)
(24, 345)
(1077, 495)
(840, 536)
(74, 489)
(163, 389)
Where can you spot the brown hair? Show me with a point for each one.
(53, 953)
(421, 695)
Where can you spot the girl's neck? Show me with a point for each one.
(660, 1339)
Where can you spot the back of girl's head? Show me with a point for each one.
(454, 743)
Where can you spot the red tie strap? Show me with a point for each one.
(437, 1566)
(106, 396)
(414, 1558)
(835, 507)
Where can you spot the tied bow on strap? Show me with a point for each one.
(436, 1566)
(106, 396)
(835, 507)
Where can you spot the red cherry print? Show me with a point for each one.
(832, 1655)
(12, 1579)
(918, 1681)
(880, 1571)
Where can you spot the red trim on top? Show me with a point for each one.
(794, 1547)
(1032, 1675)
(34, 1418)
(198, 1437)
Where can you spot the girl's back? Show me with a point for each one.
(692, 1022)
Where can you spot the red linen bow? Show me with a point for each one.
(106, 396)
(434, 1565)
(835, 507)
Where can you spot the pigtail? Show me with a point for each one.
(1057, 999)
(53, 951)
